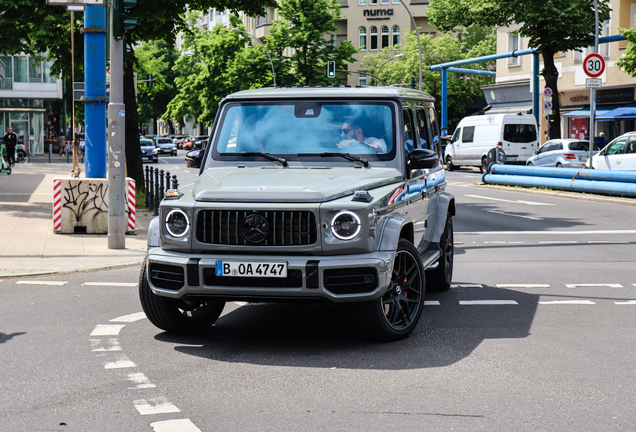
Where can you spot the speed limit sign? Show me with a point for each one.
(594, 65)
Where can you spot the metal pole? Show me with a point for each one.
(382, 65)
(266, 52)
(116, 146)
(535, 88)
(593, 90)
(444, 101)
(72, 76)
(417, 33)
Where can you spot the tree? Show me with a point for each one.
(551, 26)
(462, 89)
(628, 61)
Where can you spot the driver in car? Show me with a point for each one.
(353, 132)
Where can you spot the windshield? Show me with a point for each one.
(582, 145)
(144, 143)
(291, 128)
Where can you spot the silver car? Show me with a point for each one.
(565, 152)
(166, 145)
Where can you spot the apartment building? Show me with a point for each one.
(513, 88)
(26, 85)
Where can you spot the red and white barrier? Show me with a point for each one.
(57, 205)
(131, 204)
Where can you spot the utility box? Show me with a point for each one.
(80, 205)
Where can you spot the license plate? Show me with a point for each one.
(251, 269)
(583, 158)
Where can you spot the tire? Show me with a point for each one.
(394, 316)
(174, 315)
(449, 164)
(156, 160)
(559, 165)
(529, 164)
(440, 278)
(484, 165)
(20, 155)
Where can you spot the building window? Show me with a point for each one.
(374, 37)
(363, 38)
(580, 55)
(396, 35)
(48, 78)
(385, 37)
(35, 70)
(362, 79)
(373, 2)
(396, 1)
(362, 2)
(7, 82)
(603, 49)
(384, 2)
(20, 73)
(513, 45)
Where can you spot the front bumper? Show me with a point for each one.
(315, 281)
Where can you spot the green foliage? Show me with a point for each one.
(628, 61)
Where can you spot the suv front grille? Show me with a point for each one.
(285, 228)
(294, 279)
(350, 280)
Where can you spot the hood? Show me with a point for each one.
(292, 184)
(147, 148)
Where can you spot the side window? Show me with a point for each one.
(616, 147)
(631, 146)
(422, 128)
(559, 146)
(469, 133)
(407, 115)
(434, 129)
(456, 135)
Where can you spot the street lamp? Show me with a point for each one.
(419, 46)
(266, 52)
(388, 60)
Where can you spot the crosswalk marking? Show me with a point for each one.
(179, 425)
(158, 405)
(112, 344)
(106, 330)
(121, 363)
(141, 381)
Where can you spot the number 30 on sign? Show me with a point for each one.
(594, 65)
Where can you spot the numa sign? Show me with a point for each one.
(378, 12)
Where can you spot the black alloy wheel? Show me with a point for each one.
(395, 315)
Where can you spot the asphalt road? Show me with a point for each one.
(536, 334)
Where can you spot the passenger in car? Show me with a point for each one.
(352, 130)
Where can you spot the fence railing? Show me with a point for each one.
(156, 183)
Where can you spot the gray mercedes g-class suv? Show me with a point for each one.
(325, 193)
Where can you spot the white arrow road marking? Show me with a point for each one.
(141, 381)
(39, 282)
(158, 405)
(487, 302)
(129, 318)
(531, 203)
(112, 284)
(106, 330)
(628, 302)
(522, 286)
(121, 363)
(514, 215)
(180, 425)
(98, 345)
(611, 285)
(567, 302)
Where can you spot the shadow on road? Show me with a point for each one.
(325, 336)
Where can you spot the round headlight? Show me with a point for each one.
(345, 225)
(177, 223)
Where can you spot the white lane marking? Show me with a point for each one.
(558, 242)
(180, 425)
(431, 303)
(121, 363)
(106, 330)
(240, 303)
(140, 380)
(607, 242)
(158, 405)
(99, 346)
(522, 286)
(111, 284)
(514, 215)
(531, 203)
(501, 242)
(611, 285)
(546, 232)
(628, 302)
(129, 318)
(567, 302)
(36, 282)
(487, 302)
(467, 286)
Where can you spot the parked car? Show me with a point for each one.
(198, 141)
(149, 150)
(566, 152)
(307, 194)
(187, 143)
(475, 136)
(620, 154)
(166, 146)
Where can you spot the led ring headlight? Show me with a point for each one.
(177, 223)
(345, 225)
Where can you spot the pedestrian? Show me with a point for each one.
(62, 144)
(10, 139)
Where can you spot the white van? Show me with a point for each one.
(475, 136)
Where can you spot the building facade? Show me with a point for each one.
(513, 88)
(26, 85)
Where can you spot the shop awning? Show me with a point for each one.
(585, 113)
(627, 112)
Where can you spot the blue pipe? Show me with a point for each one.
(444, 101)
(491, 57)
(535, 87)
(473, 71)
(563, 173)
(95, 98)
(595, 187)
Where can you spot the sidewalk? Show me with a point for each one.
(28, 245)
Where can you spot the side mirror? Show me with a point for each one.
(423, 159)
(536, 152)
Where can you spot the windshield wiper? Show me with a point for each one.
(265, 155)
(346, 156)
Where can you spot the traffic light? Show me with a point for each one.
(149, 81)
(413, 83)
(121, 21)
(331, 69)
